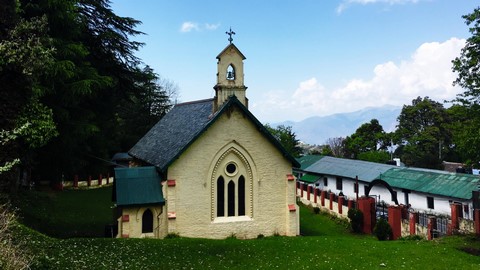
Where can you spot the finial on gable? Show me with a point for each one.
(230, 33)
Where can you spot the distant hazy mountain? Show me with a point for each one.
(317, 129)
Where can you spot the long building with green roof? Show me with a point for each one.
(423, 189)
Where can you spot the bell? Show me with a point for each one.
(230, 75)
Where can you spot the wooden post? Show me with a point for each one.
(100, 178)
(89, 181)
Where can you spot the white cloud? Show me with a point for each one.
(426, 73)
(189, 26)
(210, 26)
(347, 3)
(193, 26)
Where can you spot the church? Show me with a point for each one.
(209, 169)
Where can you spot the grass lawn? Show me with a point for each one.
(326, 244)
(68, 213)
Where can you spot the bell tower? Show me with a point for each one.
(230, 78)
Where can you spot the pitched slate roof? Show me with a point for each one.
(173, 133)
(138, 186)
(177, 130)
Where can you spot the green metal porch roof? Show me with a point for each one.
(138, 186)
(309, 178)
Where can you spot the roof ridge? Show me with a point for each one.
(194, 102)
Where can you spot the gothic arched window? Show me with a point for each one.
(220, 197)
(231, 198)
(232, 186)
(241, 196)
(147, 221)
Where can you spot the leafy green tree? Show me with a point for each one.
(467, 65)
(286, 137)
(423, 133)
(380, 156)
(68, 68)
(25, 56)
(102, 97)
(466, 114)
(465, 128)
(368, 137)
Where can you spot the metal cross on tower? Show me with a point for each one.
(230, 33)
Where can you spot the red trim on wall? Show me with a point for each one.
(125, 218)
(125, 235)
(292, 208)
(172, 215)
(290, 177)
(171, 183)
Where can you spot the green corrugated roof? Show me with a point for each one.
(366, 171)
(138, 186)
(456, 185)
(308, 160)
(309, 178)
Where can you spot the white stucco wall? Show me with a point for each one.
(417, 200)
(132, 228)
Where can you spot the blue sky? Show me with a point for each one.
(307, 57)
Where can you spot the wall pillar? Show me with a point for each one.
(308, 192)
(455, 209)
(367, 206)
(413, 223)
(322, 197)
(332, 195)
(315, 194)
(395, 221)
(100, 178)
(340, 204)
(350, 204)
(301, 190)
(432, 225)
(476, 214)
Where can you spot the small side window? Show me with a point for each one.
(430, 203)
(339, 183)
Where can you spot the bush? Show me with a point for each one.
(382, 230)
(12, 255)
(316, 210)
(172, 235)
(356, 220)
